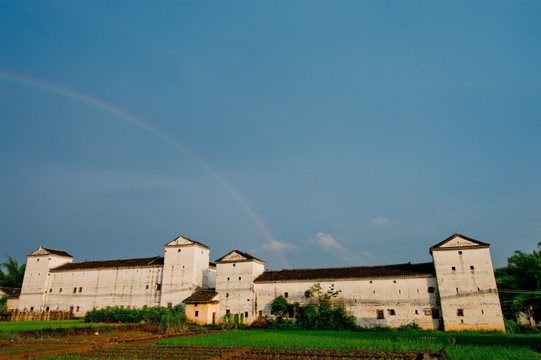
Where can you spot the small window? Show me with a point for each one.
(77, 309)
(472, 267)
(399, 291)
(245, 314)
(196, 313)
(234, 265)
(240, 278)
(453, 268)
(435, 314)
(462, 321)
(478, 289)
(158, 287)
(457, 290)
(60, 290)
(31, 307)
(431, 289)
(373, 291)
(370, 281)
(226, 295)
(80, 289)
(428, 312)
(482, 312)
(260, 312)
(169, 305)
(380, 314)
(47, 309)
(178, 250)
(227, 279)
(459, 312)
(71, 308)
(416, 312)
(37, 260)
(460, 252)
(74, 290)
(391, 312)
(394, 281)
(195, 305)
(227, 311)
(50, 290)
(146, 287)
(286, 295)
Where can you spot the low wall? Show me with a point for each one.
(36, 315)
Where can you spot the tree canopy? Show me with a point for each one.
(14, 275)
(519, 284)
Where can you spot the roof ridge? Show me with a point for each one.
(354, 267)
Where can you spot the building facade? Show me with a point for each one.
(455, 291)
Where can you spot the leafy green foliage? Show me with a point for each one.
(168, 320)
(3, 304)
(519, 284)
(15, 273)
(322, 311)
(233, 321)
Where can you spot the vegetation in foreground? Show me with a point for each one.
(469, 345)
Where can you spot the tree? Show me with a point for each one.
(15, 273)
(519, 284)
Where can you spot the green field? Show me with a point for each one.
(471, 346)
(40, 325)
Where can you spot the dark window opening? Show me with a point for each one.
(158, 286)
(179, 250)
(431, 289)
(239, 278)
(457, 290)
(71, 308)
(435, 314)
(416, 312)
(286, 295)
(169, 305)
(391, 312)
(460, 253)
(234, 265)
(246, 314)
(380, 314)
(196, 313)
(226, 295)
(453, 268)
(60, 290)
(260, 312)
(227, 311)
(74, 290)
(77, 310)
(50, 290)
(31, 307)
(459, 312)
(80, 289)
(482, 312)
(47, 309)
(472, 267)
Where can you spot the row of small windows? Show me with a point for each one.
(228, 278)
(380, 313)
(157, 287)
(471, 268)
(430, 290)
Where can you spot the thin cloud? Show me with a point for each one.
(381, 221)
(278, 246)
(329, 244)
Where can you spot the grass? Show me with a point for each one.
(386, 341)
(469, 345)
(40, 325)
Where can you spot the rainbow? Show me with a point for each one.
(149, 128)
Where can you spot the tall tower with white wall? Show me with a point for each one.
(185, 269)
(235, 275)
(36, 277)
(467, 287)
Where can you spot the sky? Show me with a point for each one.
(307, 133)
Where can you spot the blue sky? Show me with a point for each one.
(308, 133)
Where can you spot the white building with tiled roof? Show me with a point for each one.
(456, 291)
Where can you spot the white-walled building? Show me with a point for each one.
(456, 291)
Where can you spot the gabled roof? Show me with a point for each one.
(46, 251)
(11, 291)
(201, 297)
(356, 272)
(111, 264)
(236, 256)
(184, 241)
(458, 241)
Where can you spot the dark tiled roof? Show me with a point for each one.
(10, 291)
(201, 297)
(187, 238)
(245, 255)
(43, 250)
(357, 272)
(107, 264)
(479, 244)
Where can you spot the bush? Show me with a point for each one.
(168, 320)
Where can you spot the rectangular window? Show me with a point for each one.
(391, 312)
(416, 312)
(146, 287)
(260, 312)
(246, 314)
(60, 290)
(196, 313)
(47, 309)
(169, 305)
(286, 295)
(453, 268)
(428, 312)
(80, 289)
(240, 278)
(380, 314)
(227, 311)
(158, 287)
(459, 312)
(31, 307)
(435, 314)
(460, 253)
(77, 310)
(71, 308)
(472, 267)
(431, 289)
(50, 290)
(74, 290)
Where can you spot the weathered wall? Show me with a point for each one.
(469, 298)
(402, 300)
(202, 313)
(83, 290)
(235, 287)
